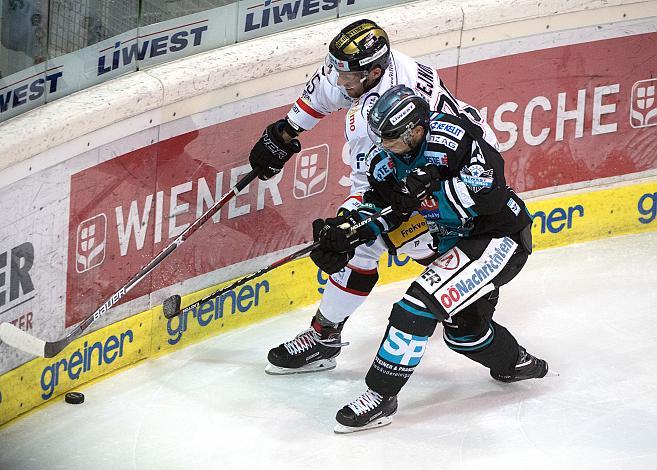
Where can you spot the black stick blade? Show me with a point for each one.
(171, 306)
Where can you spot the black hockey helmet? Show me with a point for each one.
(360, 46)
(396, 113)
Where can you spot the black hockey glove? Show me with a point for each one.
(332, 237)
(423, 181)
(393, 194)
(270, 153)
(420, 183)
(402, 202)
(330, 261)
(337, 246)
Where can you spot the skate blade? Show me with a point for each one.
(377, 423)
(317, 366)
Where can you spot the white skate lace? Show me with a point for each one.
(366, 402)
(307, 339)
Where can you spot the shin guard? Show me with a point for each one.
(401, 350)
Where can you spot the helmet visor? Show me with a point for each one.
(378, 136)
(339, 75)
(375, 136)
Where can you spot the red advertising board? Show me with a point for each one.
(571, 113)
(565, 114)
(126, 210)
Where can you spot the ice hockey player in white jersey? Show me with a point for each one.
(359, 67)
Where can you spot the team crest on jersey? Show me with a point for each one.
(476, 178)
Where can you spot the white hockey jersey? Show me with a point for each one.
(320, 98)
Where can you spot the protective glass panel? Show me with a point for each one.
(23, 76)
(85, 41)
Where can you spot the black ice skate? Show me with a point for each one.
(527, 367)
(368, 411)
(312, 350)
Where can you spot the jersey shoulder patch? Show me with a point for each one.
(476, 178)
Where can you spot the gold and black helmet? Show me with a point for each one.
(360, 46)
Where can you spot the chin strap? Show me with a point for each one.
(374, 83)
(406, 138)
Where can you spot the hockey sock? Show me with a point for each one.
(346, 291)
(401, 350)
(495, 348)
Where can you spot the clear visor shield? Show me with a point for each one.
(397, 144)
(338, 74)
(375, 136)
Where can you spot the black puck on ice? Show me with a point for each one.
(74, 398)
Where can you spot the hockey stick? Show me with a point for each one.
(13, 336)
(171, 305)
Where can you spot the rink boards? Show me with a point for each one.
(588, 215)
(98, 184)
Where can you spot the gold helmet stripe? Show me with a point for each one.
(356, 34)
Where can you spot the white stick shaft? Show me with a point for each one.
(17, 338)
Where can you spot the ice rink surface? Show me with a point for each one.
(589, 309)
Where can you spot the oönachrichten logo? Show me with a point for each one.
(643, 108)
(311, 171)
(92, 237)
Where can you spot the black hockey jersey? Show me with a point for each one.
(473, 199)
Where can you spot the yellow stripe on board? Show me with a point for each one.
(592, 215)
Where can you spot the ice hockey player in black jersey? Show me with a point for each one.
(440, 166)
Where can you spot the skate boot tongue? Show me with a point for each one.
(309, 351)
(366, 402)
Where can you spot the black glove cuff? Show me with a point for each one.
(291, 129)
(273, 141)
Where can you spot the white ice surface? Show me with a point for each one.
(590, 310)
